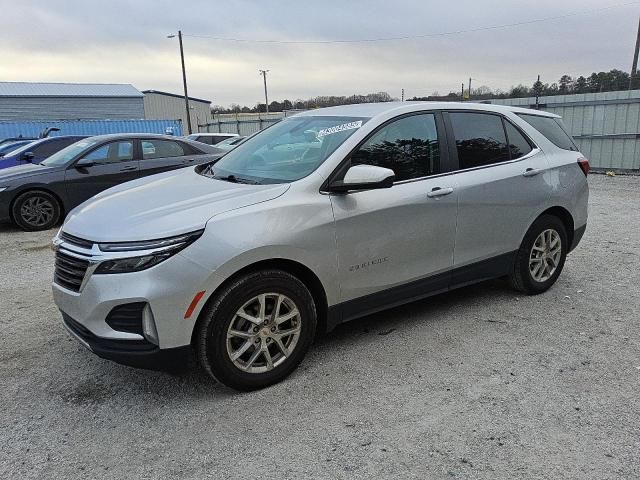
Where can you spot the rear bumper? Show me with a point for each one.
(134, 353)
(578, 233)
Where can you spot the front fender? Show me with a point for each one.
(281, 229)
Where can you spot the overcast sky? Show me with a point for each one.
(126, 42)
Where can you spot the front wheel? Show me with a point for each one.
(541, 256)
(256, 330)
(36, 210)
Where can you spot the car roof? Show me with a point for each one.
(370, 110)
(207, 134)
(120, 136)
(61, 136)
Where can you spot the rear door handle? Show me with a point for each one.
(439, 192)
(530, 172)
(128, 169)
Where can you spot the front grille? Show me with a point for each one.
(69, 271)
(78, 242)
(127, 317)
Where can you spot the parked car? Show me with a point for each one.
(243, 260)
(210, 138)
(230, 143)
(36, 196)
(10, 146)
(16, 139)
(37, 150)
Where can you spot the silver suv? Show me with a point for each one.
(324, 217)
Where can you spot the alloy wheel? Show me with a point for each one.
(545, 255)
(37, 211)
(263, 333)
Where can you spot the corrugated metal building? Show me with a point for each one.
(32, 129)
(159, 105)
(69, 101)
(606, 126)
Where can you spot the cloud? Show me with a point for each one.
(120, 41)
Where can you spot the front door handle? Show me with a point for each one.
(128, 169)
(530, 172)
(439, 192)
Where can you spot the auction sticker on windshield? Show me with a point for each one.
(340, 128)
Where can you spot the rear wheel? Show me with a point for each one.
(257, 330)
(36, 210)
(541, 256)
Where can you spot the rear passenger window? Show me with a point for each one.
(551, 128)
(161, 149)
(480, 139)
(519, 146)
(408, 146)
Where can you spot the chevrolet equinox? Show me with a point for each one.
(326, 216)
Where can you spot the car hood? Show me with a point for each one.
(20, 172)
(161, 206)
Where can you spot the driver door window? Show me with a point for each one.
(111, 153)
(408, 146)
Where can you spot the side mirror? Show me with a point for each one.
(364, 177)
(28, 156)
(84, 163)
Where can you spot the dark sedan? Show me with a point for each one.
(38, 196)
(37, 150)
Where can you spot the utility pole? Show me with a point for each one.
(634, 67)
(403, 94)
(266, 99)
(184, 83)
(462, 92)
(537, 93)
(469, 88)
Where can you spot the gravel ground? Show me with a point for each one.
(477, 383)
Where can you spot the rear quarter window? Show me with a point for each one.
(552, 129)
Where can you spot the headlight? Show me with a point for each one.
(2, 189)
(150, 253)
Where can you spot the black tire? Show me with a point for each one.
(522, 278)
(211, 332)
(36, 210)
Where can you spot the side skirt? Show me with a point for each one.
(425, 287)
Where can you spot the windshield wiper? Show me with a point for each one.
(234, 179)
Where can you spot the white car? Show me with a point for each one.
(211, 138)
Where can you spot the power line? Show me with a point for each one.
(411, 37)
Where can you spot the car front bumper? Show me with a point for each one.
(167, 291)
(134, 353)
(5, 202)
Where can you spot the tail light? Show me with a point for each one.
(584, 165)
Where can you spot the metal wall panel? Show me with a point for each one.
(70, 108)
(158, 106)
(606, 126)
(89, 127)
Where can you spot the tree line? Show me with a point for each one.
(612, 80)
(300, 104)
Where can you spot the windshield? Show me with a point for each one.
(21, 148)
(13, 146)
(67, 154)
(286, 151)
